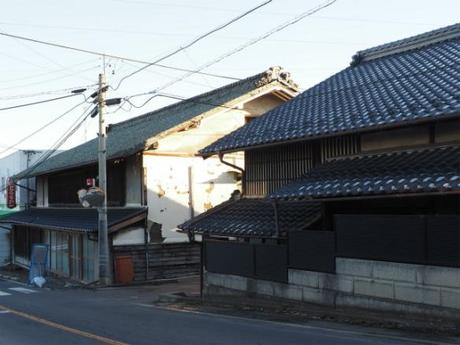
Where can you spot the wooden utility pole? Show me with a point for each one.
(105, 267)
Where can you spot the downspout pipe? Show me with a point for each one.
(243, 184)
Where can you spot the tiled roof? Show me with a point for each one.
(253, 218)
(411, 80)
(435, 169)
(71, 219)
(131, 136)
(424, 39)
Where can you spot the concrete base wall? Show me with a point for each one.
(375, 285)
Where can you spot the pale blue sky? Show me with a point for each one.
(311, 50)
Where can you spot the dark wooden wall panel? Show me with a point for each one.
(165, 260)
(268, 169)
(229, 258)
(399, 238)
(443, 240)
(312, 250)
(271, 262)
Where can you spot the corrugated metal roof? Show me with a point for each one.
(427, 170)
(411, 80)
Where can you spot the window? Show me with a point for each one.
(76, 256)
(89, 259)
(59, 252)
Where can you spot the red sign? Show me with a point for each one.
(11, 194)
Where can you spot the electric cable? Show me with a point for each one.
(44, 126)
(93, 52)
(236, 50)
(49, 92)
(48, 153)
(38, 102)
(194, 41)
(249, 43)
(48, 80)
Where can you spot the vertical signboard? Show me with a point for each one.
(11, 194)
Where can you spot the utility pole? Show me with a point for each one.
(105, 267)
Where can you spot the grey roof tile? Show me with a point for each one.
(253, 218)
(71, 219)
(425, 170)
(402, 86)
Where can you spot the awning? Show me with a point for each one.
(4, 213)
(253, 218)
(75, 219)
(427, 170)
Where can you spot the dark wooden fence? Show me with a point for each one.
(164, 261)
(312, 250)
(428, 240)
(261, 261)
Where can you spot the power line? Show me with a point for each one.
(39, 102)
(20, 42)
(29, 95)
(48, 153)
(167, 76)
(48, 80)
(46, 73)
(42, 128)
(240, 48)
(194, 41)
(93, 52)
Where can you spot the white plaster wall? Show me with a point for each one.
(129, 236)
(209, 129)
(169, 165)
(168, 188)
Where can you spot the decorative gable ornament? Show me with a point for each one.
(277, 73)
(91, 197)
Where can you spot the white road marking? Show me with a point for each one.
(22, 290)
(4, 311)
(4, 293)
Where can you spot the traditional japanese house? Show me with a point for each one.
(350, 190)
(155, 182)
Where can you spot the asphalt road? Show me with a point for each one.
(125, 316)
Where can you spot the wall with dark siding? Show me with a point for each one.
(268, 169)
(164, 261)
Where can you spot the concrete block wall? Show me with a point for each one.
(419, 284)
(366, 284)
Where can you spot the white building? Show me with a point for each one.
(9, 166)
(155, 181)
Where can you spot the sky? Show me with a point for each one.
(311, 50)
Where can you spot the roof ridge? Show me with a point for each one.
(409, 43)
(273, 73)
